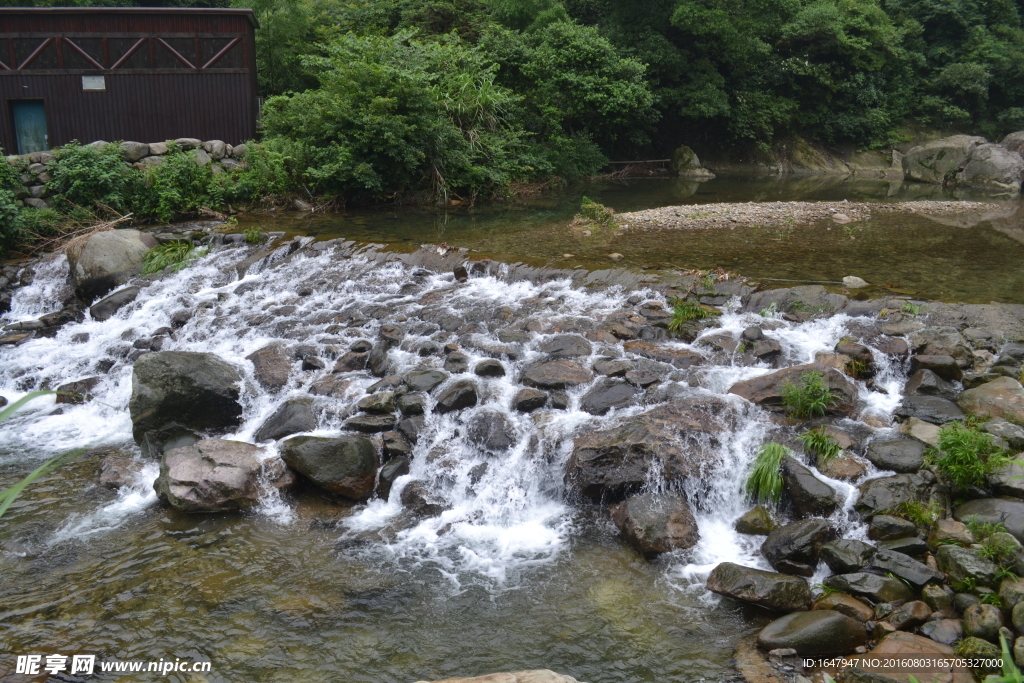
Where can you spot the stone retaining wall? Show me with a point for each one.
(34, 168)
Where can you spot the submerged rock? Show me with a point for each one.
(343, 465)
(779, 592)
(556, 374)
(195, 390)
(293, 416)
(656, 523)
(818, 632)
(610, 464)
(757, 521)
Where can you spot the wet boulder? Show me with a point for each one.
(392, 470)
(945, 631)
(679, 358)
(378, 361)
(528, 400)
(795, 548)
(945, 531)
(370, 423)
(272, 365)
(993, 167)
(942, 341)
(607, 394)
(942, 368)
(818, 632)
(1002, 397)
(461, 394)
(809, 495)
(1005, 511)
(766, 390)
(107, 260)
(566, 346)
(847, 555)
(961, 564)
(909, 616)
(118, 470)
(211, 475)
(424, 381)
(342, 465)
(105, 308)
(656, 523)
(395, 444)
(489, 368)
(678, 438)
(556, 374)
(886, 528)
(757, 521)
(935, 161)
(293, 416)
(845, 604)
(886, 493)
(77, 392)
(491, 431)
(904, 567)
(900, 455)
(983, 621)
(420, 500)
(195, 390)
(933, 409)
(925, 381)
(805, 302)
(778, 592)
(843, 467)
(411, 404)
(871, 588)
(380, 402)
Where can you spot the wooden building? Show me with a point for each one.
(113, 73)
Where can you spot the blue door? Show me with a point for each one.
(30, 126)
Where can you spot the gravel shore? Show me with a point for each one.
(783, 213)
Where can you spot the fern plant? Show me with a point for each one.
(810, 398)
(820, 444)
(172, 255)
(967, 455)
(764, 483)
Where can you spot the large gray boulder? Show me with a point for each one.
(961, 565)
(107, 260)
(900, 455)
(771, 590)
(1002, 397)
(676, 440)
(214, 475)
(343, 465)
(809, 495)
(819, 632)
(795, 548)
(685, 164)
(766, 390)
(993, 167)
(870, 588)
(1006, 511)
(1014, 142)
(195, 390)
(656, 523)
(942, 341)
(846, 555)
(293, 416)
(939, 160)
(885, 493)
(904, 567)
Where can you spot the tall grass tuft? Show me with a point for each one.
(820, 444)
(764, 484)
(967, 455)
(810, 398)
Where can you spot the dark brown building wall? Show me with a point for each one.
(148, 98)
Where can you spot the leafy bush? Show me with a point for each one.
(253, 236)
(171, 256)
(93, 177)
(810, 398)
(819, 443)
(966, 455)
(591, 211)
(178, 186)
(764, 483)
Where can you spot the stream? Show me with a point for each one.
(513, 574)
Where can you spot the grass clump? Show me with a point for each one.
(983, 530)
(920, 514)
(819, 443)
(172, 255)
(254, 236)
(764, 484)
(811, 397)
(769, 311)
(592, 212)
(912, 309)
(966, 455)
(685, 311)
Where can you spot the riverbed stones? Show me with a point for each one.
(196, 390)
(460, 395)
(771, 590)
(909, 616)
(420, 500)
(342, 465)
(809, 495)
(107, 260)
(489, 368)
(942, 341)
(677, 438)
(118, 470)
(900, 455)
(655, 523)
(1006, 511)
(983, 621)
(272, 365)
(105, 308)
(424, 381)
(962, 564)
(528, 400)
(566, 346)
(766, 390)
(380, 402)
(886, 528)
(556, 374)
(935, 161)
(1002, 397)
(804, 302)
(607, 394)
(845, 604)
(293, 416)
(679, 358)
(533, 676)
(945, 368)
(885, 493)
(925, 381)
(491, 431)
(933, 409)
(370, 423)
(846, 555)
(818, 632)
(757, 521)
(796, 547)
(844, 467)
(871, 588)
(904, 567)
(212, 475)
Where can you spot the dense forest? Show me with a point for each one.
(377, 99)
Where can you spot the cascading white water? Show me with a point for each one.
(504, 513)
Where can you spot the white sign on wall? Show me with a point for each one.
(94, 83)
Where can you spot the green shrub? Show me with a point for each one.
(265, 174)
(171, 256)
(983, 530)
(764, 483)
(253, 236)
(592, 212)
(912, 309)
(920, 514)
(11, 226)
(93, 178)
(685, 311)
(819, 443)
(966, 455)
(1000, 548)
(178, 187)
(810, 398)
